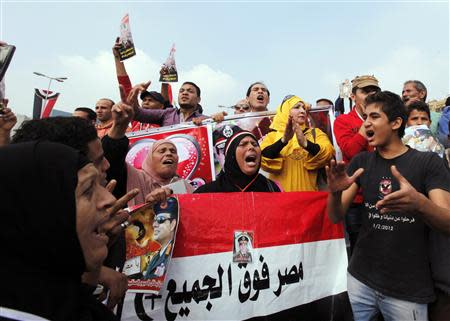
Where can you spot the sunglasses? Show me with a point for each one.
(244, 107)
(161, 219)
(370, 89)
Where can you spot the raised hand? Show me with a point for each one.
(300, 135)
(337, 177)
(116, 48)
(112, 227)
(132, 98)
(7, 118)
(288, 131)
(7, 121)
(122, 114)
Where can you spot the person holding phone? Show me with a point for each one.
(7, 121)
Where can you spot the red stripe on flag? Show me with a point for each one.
(49, 107)
(208, 221)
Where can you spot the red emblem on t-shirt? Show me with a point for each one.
(385, 186)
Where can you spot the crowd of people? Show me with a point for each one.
(398, 269)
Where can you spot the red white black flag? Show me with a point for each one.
(295, 260)
(44, 101)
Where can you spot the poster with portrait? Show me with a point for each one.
(242, 247)
(256, 123)
(126, 49)
(421, 138)
(168, 72)
(298, 260)
(150, 239)
(194, 143)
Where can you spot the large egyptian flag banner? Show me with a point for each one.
(294, 256)
(44, 101)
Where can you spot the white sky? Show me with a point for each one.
(295, 47)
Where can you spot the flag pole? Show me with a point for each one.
(59, 79)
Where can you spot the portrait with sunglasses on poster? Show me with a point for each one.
(150, 238)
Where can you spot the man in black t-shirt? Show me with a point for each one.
(404, 191)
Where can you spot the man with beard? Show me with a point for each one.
(258, 97)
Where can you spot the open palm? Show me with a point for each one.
(337, 177)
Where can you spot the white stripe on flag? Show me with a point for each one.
(323, 264)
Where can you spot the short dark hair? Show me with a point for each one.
(419, 106)
(255, 83)
(326, 100)
(392, 105)
(75, 132)
(419, 86)
(197, 88)
(91, 114)
(447, 101)
(110, 100)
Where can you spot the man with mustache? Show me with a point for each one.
(258, 96)
(413, 90)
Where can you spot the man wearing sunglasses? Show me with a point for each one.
(241, 107)
(352, 139)
(164, 229)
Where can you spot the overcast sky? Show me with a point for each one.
(302, 48)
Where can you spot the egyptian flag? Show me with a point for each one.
(292, 264)
(42, 96)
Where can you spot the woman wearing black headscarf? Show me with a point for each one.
(53, 207)
(240, 172)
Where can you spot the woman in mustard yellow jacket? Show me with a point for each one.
(292, 152)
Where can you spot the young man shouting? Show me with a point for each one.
(405, 192)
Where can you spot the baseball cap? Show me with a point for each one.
(154, 94)
(365, 81)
